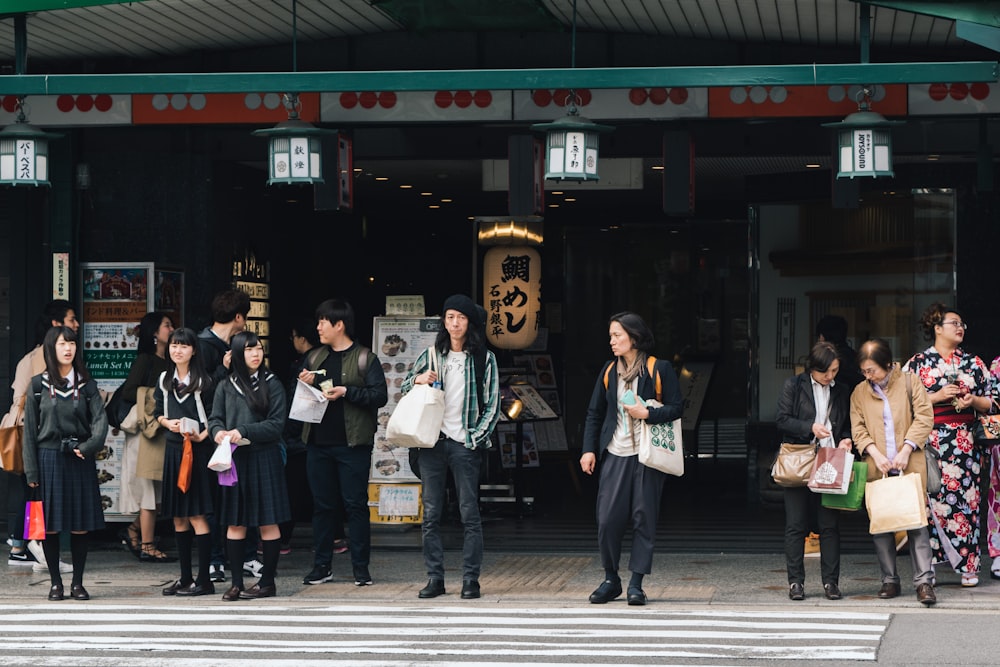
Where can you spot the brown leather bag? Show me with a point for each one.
(794, 464)
(12, 440)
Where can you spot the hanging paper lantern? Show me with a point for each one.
(512, 295)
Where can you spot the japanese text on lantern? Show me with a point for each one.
(512, 296)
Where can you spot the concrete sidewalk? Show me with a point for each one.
(561, 579)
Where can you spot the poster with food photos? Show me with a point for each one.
(115, 298)
(397, 341)
(507, 434)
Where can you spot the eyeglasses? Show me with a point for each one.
(958, 324)
(869, 372)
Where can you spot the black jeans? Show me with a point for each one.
(340, 475)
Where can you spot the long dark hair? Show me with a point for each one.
(259, 400)
(148, 326)
(52, 364)
(200, 379)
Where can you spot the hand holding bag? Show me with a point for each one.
(222, 457)
(989, 424)
(12, 439)
(850, 501)
(660, 445)
(794, 464)
(896, 503)
(34, 518)
(416, 420)
(832, 472)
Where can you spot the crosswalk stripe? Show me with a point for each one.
(390, 631)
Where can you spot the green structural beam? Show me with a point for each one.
(984, 12)
(520, 79)
(31, 6)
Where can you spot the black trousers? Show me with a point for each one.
(803, 511)
(628, 495)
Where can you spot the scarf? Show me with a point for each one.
(633, 371)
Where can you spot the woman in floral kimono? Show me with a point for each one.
(958, 385)
(992, 447)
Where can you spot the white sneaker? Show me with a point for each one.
(64, 568)
(252, 568)
(36, 550)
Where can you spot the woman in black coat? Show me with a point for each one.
(629, 492)
(799, 421)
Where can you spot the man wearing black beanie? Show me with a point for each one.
(461, 365)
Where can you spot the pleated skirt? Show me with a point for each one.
(71, 497)
(260, 497)
(198, 499)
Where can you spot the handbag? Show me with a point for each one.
(896, 503)
(130, 423)
(850, 501)
(831, 475)
(416, 420)
(222, 457)
(989, 425)
(794, 463)
(116, 410)
(34, 518)
(12, 439)
(933, 461)
(660, 445)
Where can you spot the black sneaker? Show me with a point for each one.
(23, 558)
(217, 573)
(320, 575)
(361, 576)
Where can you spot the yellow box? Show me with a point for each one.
(404, 497)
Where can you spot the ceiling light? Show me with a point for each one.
(657, 167)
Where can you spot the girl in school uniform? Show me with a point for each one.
(249, 409)
(182, 392)
(64, 426)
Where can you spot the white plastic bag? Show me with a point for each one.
(222, 457)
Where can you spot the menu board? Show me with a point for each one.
(116, 296)
(397, 341)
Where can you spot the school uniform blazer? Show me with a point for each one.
(602, 413)
(797, 410)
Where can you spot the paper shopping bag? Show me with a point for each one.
(832, 472)
(34, 520)
(850, 501)
(896, 503)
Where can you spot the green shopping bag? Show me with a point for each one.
(852, 500)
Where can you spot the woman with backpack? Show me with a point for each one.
(64, 426)
(628, 492)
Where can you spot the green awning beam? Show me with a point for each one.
(508, 79)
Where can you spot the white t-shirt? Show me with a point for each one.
(453, 378)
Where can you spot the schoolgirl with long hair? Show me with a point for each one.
(64, 426)
(182, 392)
(249, 409)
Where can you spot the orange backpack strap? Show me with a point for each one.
(650, 366)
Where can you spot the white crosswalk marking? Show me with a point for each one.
(395, 634)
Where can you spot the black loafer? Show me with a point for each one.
(174, 587)
(78, 592)
(832, 591)
(796, 592)
(607, 591)
(195, 590)
(636, 597)
(434, 588)
(470, 589)
(56, 593)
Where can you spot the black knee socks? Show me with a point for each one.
(185, 540)
(204, 558)
(272, 549)
(235, 549)
(50, 546)
(78, 547)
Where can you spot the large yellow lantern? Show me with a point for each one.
(512, 295)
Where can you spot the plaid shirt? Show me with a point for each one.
(478, 425)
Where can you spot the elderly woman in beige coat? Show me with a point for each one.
(891, 418)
